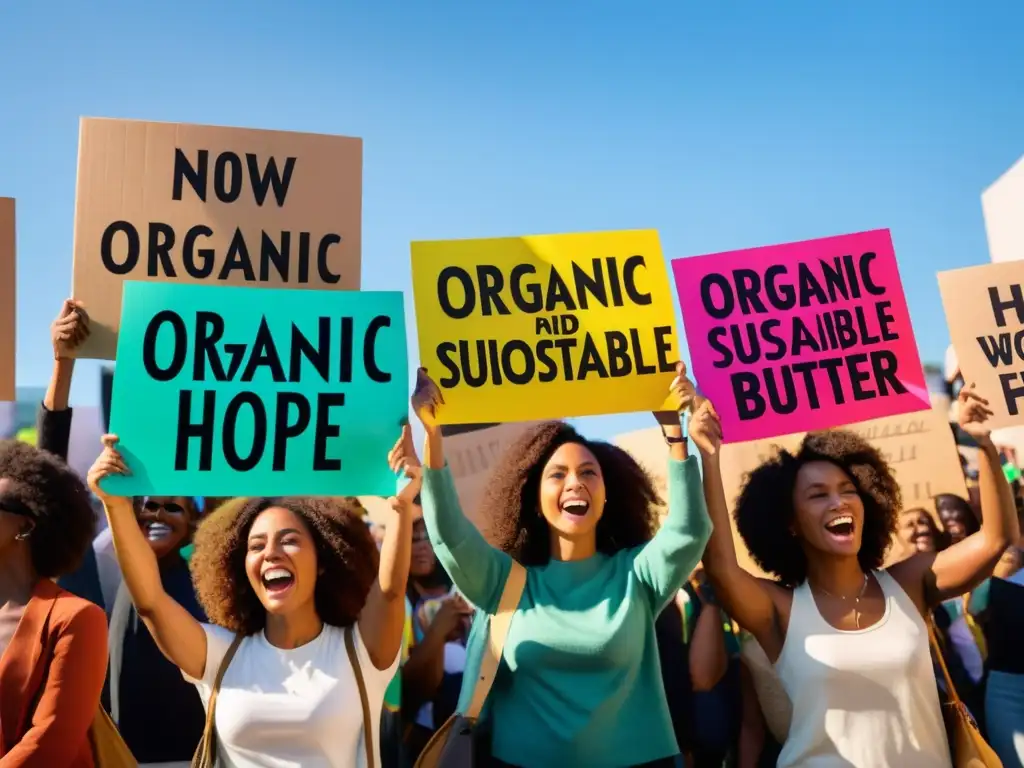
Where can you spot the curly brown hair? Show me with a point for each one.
(511, 499)
(765, 510)
(59, 501)
(346, 555)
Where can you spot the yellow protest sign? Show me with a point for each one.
(545, 326)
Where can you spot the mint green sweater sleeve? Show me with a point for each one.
(477, 569)
(664, 563)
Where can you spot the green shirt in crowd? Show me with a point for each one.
(580, 681)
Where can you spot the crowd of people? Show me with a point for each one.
(292, 632)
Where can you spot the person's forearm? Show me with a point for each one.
(433, 449)
(395, 556)
(708, 660)
(136, 558)
(998, 511)
(676, 450)
(424, 670)
(58, 393)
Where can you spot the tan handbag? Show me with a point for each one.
(108, 748)
(206, 752)
(969, 749)
(454, 744)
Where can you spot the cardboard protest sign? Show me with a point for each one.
(220, 206)
(546, 326)
(801, 336)
(8, 308)
(985, 313)
(235, 392)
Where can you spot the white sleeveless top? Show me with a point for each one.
(862, 698)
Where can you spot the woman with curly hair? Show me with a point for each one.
(848, 638)
(287, 584)
(579, 681)
(53, 645)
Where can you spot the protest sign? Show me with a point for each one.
(801, 336)
(985, 313)
(236, 392)
(546, 326)
(219, 206)
(8, 302)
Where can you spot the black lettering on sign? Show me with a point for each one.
(209, 419)
(1006, 349)
(555, 300)
(284, 256)
(739, 299)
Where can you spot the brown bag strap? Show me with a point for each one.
(500, 623)
(353, 659)
(950, 688)
(207, 753)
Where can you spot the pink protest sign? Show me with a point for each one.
(802, 336)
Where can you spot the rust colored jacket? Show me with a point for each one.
(51, 678)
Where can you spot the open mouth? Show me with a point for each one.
(841, 527)
(158, 531)
(277, 580)
(576, 507)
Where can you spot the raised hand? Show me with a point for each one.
(109, 463)
(402, 458)
(706, 429)
(427, 400)
(681, 396)
(69, 330)
(973, 413)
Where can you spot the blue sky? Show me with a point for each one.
(723, 125)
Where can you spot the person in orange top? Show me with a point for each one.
(53, 645)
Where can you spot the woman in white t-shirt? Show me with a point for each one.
(288, 575)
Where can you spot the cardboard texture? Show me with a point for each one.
(472, 456)
(8, 301)
(918, 446)
(169, 202)
(985, 313)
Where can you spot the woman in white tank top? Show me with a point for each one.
(848, 639)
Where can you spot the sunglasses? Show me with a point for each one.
(15, 507)
(169, 507)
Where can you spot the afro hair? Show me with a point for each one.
(346, 555)
(765, 510)
(64, 519)
(512, 498)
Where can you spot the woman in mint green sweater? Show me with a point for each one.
(580, 683)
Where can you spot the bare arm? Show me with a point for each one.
(933, 577)
(746, 598)
(177, 634)
(708, 659)
(752, 725)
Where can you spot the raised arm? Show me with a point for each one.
(746, 598)
(70, 696)
(178, 635)
(53, 422)
(476, 568)
(934, 577)
(382, 620)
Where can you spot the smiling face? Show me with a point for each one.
(956, 518)
(829, 511)
(572, 493)
(281, 561)
(167, 523)
(917, 530)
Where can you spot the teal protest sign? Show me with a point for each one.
(225, 391)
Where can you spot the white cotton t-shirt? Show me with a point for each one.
(297, 708)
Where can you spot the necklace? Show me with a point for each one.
(856, 599)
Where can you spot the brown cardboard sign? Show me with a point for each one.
(170, 202)
(472, 456)
(8, 309)
(919, 447)
(985, 313)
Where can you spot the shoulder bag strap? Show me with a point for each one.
(954, 697)
(206, 754)
(353, 659)
(500, 623)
